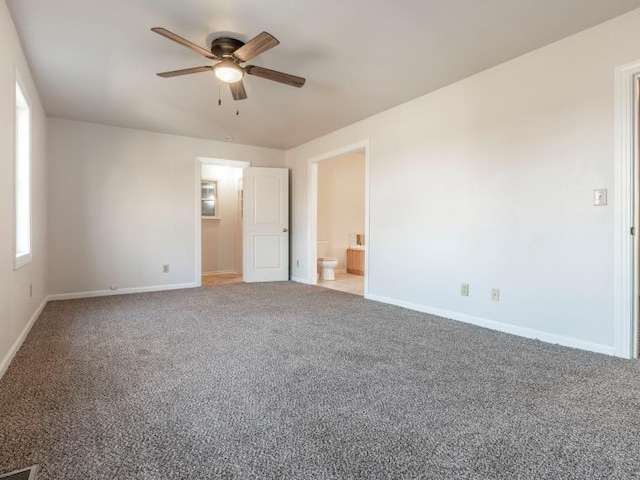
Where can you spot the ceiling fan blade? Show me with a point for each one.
(185, 71)
(275, 76)
(257, 45)
(237, 90)
(182, 41)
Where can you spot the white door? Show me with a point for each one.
(265, 224)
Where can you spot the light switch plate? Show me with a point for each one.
(600, 197)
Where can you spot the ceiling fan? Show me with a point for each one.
(230, 53)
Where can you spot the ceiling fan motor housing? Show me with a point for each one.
(225, 46)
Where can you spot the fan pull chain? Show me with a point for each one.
(219, 96)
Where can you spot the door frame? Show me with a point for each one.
(199, 162)
(312, 227)
(626, 209)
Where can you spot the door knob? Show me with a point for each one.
(285, 230)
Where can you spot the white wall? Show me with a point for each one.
(222, 237)
(122, 203)
(341, 202)
(16, 307)
(490, 181)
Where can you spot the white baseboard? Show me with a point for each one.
(121, 291)
(4, 364)
(499, 326)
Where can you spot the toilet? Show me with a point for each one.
(326, 264)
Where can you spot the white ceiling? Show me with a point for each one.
(96, 60)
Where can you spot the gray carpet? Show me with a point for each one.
(292, 381)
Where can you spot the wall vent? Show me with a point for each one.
(24, 474)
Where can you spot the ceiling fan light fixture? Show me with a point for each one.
(228, 71)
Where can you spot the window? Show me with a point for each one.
(23, 179)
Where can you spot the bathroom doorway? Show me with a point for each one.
(339, 240)
(220, 220)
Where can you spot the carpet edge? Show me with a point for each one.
(121, 291)
(6, 361)
(501, 327)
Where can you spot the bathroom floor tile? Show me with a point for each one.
(345, 282)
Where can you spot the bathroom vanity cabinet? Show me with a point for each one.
(355, 260)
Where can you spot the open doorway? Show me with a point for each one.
(341, 241)
(338, 234)
(219, 217)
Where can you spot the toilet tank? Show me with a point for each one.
(323, 248)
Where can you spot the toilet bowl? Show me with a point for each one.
(326, 264)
